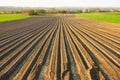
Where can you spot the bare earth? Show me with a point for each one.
(59, 48)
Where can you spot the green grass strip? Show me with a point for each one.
(11, 17)
(113, 17)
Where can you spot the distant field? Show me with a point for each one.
(109, 17)
(11, 17)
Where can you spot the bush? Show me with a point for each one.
(32, 12)
(61, 11)
(41, 11)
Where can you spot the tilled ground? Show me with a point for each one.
(59, 48)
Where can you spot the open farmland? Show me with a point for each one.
(12, 17)
(113, 17)
(59, 48)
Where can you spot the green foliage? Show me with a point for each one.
(61, 11)
(105, 16)
(11, 17)
(36, 12)
(32, 12)
(41, 11)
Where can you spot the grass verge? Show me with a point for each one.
(11, 17)
(113, 17)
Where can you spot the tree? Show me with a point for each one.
(32, 12)
(62, 11)
(41, 11)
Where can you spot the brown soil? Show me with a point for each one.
(59, 48)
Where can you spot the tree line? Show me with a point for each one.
(53, 10)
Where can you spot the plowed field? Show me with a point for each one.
(59, 48)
